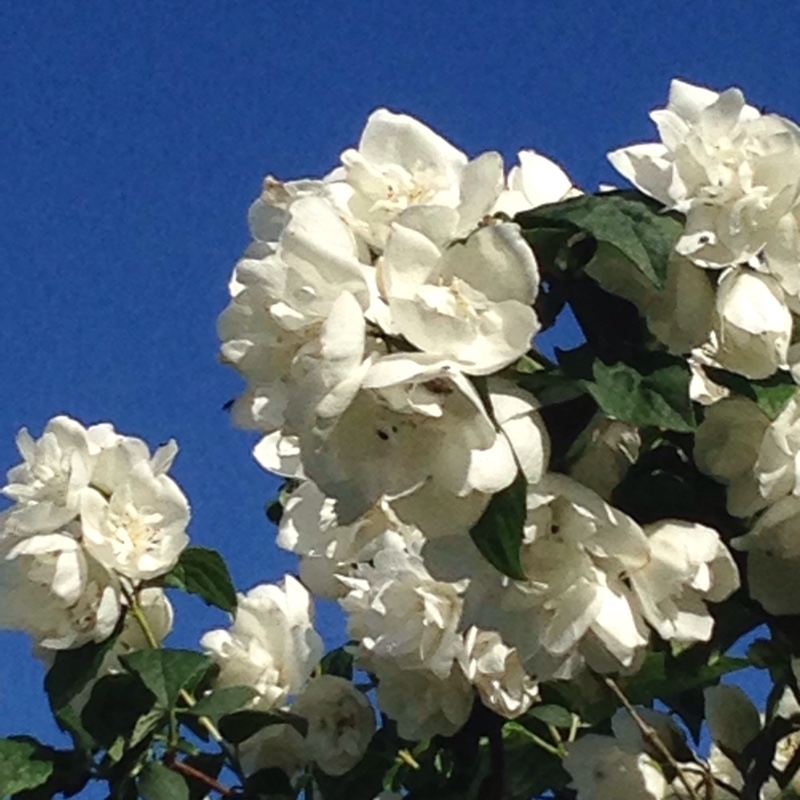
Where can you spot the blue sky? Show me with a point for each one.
(134, 135)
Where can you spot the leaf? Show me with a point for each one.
(338, 662)
(72, 670)
(159, 782)
(243, 724)
(203, 571)
(636, 226)
(550, 714)
(652, 390)
(498, 533)
(770, 394)
(221, 702)
(210, 764)
(22, 765)
(120, 707)
(271, 782)
(530, 770)
(166, 672)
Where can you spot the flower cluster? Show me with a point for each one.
(374, 318)
(94, 514)
(273, 647)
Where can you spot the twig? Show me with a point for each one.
(192, 772)
(650, 734)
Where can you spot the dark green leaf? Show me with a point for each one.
(222, 701)
(159, 782)
(166, 672)
(338, 662)
(770, 394)
(552, 715)
(203, 571)
(243, 724)
(530, 770)
(72, 670)
(636, 226)
(498, 533)
(120, 708)
(652, 390)
(24, 764)
(270, 784)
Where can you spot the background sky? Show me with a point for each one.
(134, 135)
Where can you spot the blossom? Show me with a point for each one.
(732, 171)
(688, 565)
(535, 181)
(139, 530)
(401, 165)
(398, 611)
(55, 592)
(497, 673)
(467, 301)
(341, 723)
(271, 646)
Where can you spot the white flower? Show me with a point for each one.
(401, 165)
(733, 721)
(341, 723)
(778, 465)
(497, 673)
(468, 301)
(754, 325)
(422, 703)
(727, 446)
(276, 746)
(53, 591)
(733, 172)
(55, 470)
(271, 646)
(535, 181)
(415, 419)
(688, 565)
(399, 612)
(139, 530)
(602, 770)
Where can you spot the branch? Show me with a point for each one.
(650, 735)
(192, 772)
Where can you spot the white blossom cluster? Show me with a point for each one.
(371, 318)
(94, 514)
(273, 647)
(735, 174)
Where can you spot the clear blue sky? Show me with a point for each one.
(134, 135)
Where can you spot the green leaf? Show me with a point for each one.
(636, 226)
(166, 672)
(530, 770)
(120, 709)
(72, 670)
(203, 571)
(770, 394)
(498, 533)
(338, 662)
(270, 782)
(652, 390)
(24, 764)
(550, 714)
(221, 702)
(243, 724)
(159, 782)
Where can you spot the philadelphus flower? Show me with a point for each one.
(271, 646)
(733, 172)
(534, 182)
(688, 565)
(341, 723)
(55, 592)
